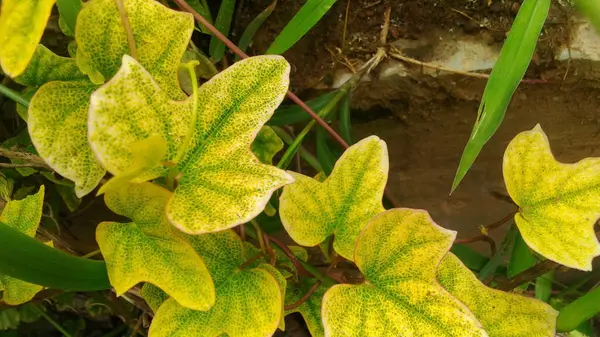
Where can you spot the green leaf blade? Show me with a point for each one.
(223, 24)
(254, 26)
(308, 16)
(504, 79)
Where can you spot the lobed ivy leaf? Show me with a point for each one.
(341, 205)
(23, 215)
(154, 296)
(248, 303)
(22, 24)
(45, 66)
(161, 36)
(58, 113)
(311, 308)
(221, 183)
(557, 202)
(398, 254)
(266, 145)
(149, 249)
(501, 314)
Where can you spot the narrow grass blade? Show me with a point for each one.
(253, 27)
(469, 257)
(579, 311)
(29, 260)
(543, 286)
(307, 156)
(291, 114)
(326, 157)
(345, 120)
(490, 268)
(223, 23)
(506, 76)
(591, 9)
(68, 10)
(521, 258)
(308, 16)
(202, 9)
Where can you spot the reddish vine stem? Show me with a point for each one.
(304, 298)
(286, 250)
(484, 237)
(528, 275)
(269, 249)
(242, 232)
(184, 6)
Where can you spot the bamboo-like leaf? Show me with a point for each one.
(343, 204)
(311, 308)
(222, 23)
(266, 145)
(24, 216)
(201, 6)
(149, 249)
(345, 119)
(501, 314)
(69, 9)
(591, 9)
(222, 183)
(254, 26)
(308, 16)
(506, 76)
(521, 259)
(248, 303)
(291, 114)
(22, 24)
(398, 254)
(579, 311)
(557, 202)
(324, 153)
(58, 113)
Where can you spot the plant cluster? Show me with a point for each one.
(193, 174)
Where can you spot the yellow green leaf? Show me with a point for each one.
(150, 250)
(45, 66)
(398, 254)
(501, 314)
(343, 204)
(154, 296)
(57, 125)
(23, 215)
(266, 145)
(311, 308)
(145, 154)
(59, 111)
(221, 184)
(248, 302)
(22, 24)
(558, 203)
(161, 36)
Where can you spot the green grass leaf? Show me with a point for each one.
(501, 314)
(398, 254)
(325, 155)
(69, 9)
(203, 9)
(521, 259)
(253, 27)
(292, 114)
(249, 301)
(22, 23)
(506, 75)
(591, 9)
(149, 249)
(557, 202)
(308, 16)
(266, 145)
(343, 204)
(222, 183)
(223, 24)
(345, 119)
(579, 311)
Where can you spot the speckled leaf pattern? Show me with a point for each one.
(311, 309)
(222, 183)
(161, 36)
(249, 301)
(558, 203)
(501, 314)
(154, 296)
(57, 125)
(398, 254)
(22, 23)
(149, 249)
(45, 66)
(266, 145)
(23, 215)
(343, 204)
